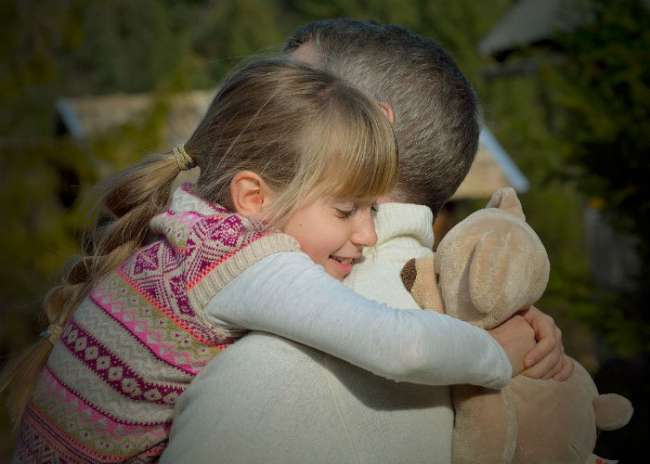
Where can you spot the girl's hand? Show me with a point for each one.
(547, 359)
(517, 338)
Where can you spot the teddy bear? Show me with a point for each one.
(487, 268)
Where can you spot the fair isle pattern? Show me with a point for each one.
(86, 436)
(113, 370)
(41, 444)
(134, 344)
(153, 328)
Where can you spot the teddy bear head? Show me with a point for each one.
(487, 267)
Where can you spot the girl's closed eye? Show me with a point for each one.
(345, 211)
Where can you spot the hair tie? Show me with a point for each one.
(183, 159)
(53, 332)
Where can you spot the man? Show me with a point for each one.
(266, 399)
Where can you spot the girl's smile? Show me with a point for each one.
(333, 232)
(344, 264)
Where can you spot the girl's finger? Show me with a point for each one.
(566, 371)
(554, 371)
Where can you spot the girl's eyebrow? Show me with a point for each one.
(366, 202)
(343, 201)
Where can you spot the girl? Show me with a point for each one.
(291, 160)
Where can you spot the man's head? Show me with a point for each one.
(434, 106)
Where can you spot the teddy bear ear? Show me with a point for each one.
(508, 271)
(488, 273)
(506, 199)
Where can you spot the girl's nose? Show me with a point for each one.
(364, 233)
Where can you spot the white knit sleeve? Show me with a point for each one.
(288, 295)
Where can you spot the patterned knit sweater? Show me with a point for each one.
(134, 344)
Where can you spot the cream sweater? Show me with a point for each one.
(269, 400)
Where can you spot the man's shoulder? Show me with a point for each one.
(250, 398)
(257, 373)
(261, 355)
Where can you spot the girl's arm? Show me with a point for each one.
(288, 295)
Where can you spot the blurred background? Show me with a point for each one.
(89, 87)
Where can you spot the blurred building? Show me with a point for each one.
(532, 23)
(85, 117)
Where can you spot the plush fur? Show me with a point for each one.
(485, 269)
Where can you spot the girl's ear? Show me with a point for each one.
(249, 193)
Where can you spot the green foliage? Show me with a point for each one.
(233, 30)
(127, 45)
(602, 91)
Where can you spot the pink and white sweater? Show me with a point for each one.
(138, 339)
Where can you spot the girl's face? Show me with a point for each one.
(333, 232)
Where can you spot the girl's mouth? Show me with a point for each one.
(343, 265)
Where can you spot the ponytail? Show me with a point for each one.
(128, 201)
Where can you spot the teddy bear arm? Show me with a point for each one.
(556, 419)
(485, 426)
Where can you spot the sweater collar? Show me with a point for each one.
(187, 212)
(404, 220)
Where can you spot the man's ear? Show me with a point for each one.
(388, 111)
(249, 193)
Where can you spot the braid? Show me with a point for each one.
(128, 201)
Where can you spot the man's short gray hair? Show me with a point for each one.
(436, 115)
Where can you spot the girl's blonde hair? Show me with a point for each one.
(304, 131)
